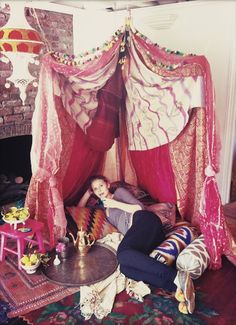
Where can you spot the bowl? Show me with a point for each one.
(30, 269)
(16, 216)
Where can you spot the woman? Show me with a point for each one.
(142, 232)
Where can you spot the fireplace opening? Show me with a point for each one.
(15, 168)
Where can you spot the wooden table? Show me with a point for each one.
(76, 270)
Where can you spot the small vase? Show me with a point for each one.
(56, 260)
(64, 251)
(64, 254)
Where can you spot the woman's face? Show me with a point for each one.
(100, 188)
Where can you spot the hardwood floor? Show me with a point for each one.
(220, 287)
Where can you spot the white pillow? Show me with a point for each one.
(194, 258)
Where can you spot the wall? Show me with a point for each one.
(233, 178)
(200, 27)
(15, 118)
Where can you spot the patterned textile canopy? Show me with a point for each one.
(154, 106)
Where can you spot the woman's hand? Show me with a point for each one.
(109, 203)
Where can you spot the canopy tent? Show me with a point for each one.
(135, 108)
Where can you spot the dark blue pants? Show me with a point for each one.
(133, 252)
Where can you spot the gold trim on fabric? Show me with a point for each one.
(168, 69)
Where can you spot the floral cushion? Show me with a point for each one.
(91, 220)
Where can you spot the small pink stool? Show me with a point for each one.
(7, 231)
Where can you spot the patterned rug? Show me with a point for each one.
(26, 292)
(44, 303)
(159, 307)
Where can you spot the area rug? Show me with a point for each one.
(27, 292)
(159, 307)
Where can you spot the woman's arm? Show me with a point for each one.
(84, 199)
(111, 203)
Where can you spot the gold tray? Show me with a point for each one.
(78, 270)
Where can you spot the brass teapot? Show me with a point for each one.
(83, 242)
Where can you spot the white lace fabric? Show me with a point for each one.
(98, 299)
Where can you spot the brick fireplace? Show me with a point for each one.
(15, 118)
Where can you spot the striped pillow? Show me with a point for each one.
(175, 242)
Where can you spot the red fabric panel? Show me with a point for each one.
(154, 173)
(83, 163)
(212, 222)
(105, 125)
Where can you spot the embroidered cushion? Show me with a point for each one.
(91, 220)
(194, 258)
(174, 243)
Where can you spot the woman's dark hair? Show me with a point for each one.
(95, 177)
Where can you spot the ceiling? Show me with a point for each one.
(110, 5)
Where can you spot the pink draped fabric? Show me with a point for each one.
(83, 162)
(154, 173)
(211, 218)
(158, 103)
(53, 136)
(105, 125)
(75, 103)
(89, 150)
(53, 132)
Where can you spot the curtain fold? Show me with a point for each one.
(209, 215)
(83, 162)
(105, 124)
(165, 102)
(76, 86)
(154, 173)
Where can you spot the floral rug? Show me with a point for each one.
(42, 302)
(26, 292)
(157, 308)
